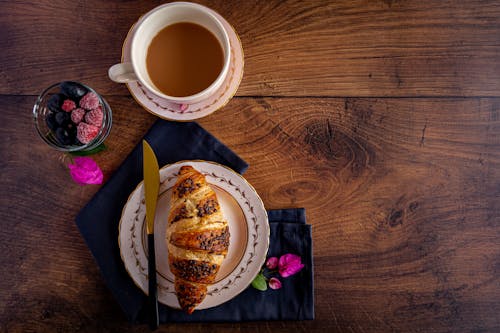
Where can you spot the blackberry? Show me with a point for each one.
(71, 129)
(63, 136)
(73, 90)
(62, 118)
(70, 126)
(55, 102)
(50, 119)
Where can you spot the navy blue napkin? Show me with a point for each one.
(294, 301)
(174, 141)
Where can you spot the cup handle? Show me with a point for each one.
(122, 73)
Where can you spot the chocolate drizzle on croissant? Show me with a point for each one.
(197, 237)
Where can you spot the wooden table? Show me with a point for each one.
(381, 118)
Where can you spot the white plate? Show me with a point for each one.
(248, 227)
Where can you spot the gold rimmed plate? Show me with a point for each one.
(248, 227)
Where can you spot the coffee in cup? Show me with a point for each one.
(179, 51)
(184, 59)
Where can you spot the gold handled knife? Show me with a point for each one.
(151, 187)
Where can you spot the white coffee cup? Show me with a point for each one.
(148, 27)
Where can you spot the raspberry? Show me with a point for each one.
(86, 133)
(68, 105)
(77, 115)
(94, 117)
(89, 101)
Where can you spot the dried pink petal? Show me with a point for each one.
(85, 170)
(274, 283)
(289, 264)
(272, 263)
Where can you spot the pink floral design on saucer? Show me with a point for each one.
(182, 112)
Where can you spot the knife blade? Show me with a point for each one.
(151, 189)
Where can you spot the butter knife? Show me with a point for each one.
(151, 188)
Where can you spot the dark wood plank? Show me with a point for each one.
(292, 48)
(403, 196)
(48, 269)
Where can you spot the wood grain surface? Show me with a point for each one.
(292, 48)
(381, 118)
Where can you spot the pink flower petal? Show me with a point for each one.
(85, 171)
(289, 264)
(183, 107)
(274, 283)
(272, 263)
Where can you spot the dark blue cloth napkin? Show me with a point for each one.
(294, 301)
(174, 141)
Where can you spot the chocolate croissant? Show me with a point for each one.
(197, 237)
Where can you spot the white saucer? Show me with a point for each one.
(173, 111)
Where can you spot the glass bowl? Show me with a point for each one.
(56, 126)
